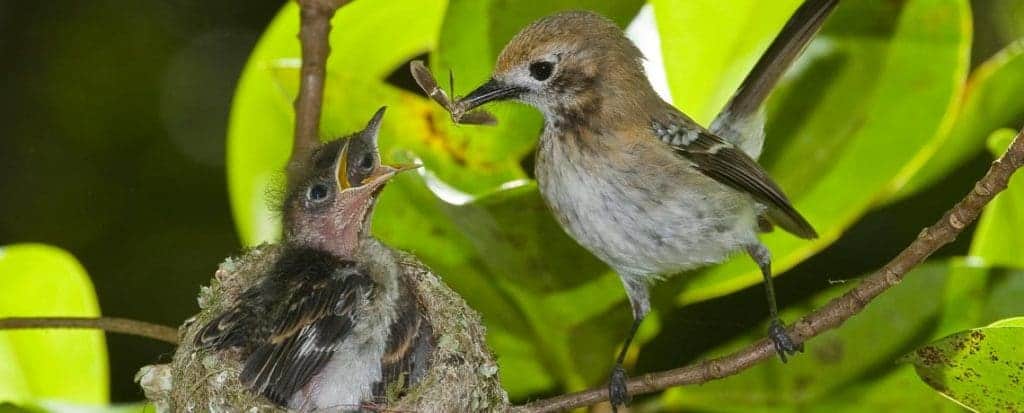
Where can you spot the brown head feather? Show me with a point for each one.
(598, 75)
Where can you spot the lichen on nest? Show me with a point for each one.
(463, 375)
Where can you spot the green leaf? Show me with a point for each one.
(703, 74)
(838, 364)
(976, 295)
(982, 368)
(71, 366)
(896, 391)
(991, 100)
(965, 296)
(1006, 286)
(858, 116)
(998, 240)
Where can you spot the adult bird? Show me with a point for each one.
(633, 179)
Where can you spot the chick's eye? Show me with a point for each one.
(367, 162)
(317, 192)
(541, 70)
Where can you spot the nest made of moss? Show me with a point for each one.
(463, 375)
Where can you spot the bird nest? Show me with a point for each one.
(463, 375)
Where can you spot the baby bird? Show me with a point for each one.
(631, 178)
(334, 322)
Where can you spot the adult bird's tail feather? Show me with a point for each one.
(740, 119)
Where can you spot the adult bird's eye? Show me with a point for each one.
(541, 70)
(367, 162)
(317, 192)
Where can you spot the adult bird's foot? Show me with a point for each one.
(783, 342)
(618, 395)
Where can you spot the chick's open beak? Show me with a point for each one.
(384, 173)
(490, 91)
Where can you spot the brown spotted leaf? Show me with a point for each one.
(982, 368)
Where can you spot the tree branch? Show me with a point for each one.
(832, 314)
(314, 32)
(111, 324)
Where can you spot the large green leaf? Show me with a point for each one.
(998, 240)
(709, 46)
(982, 368)
(839, 364)
(859, 115)
(991, 100)
(70, 366)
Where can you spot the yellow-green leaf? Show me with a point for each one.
(65, 365)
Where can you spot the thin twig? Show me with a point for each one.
(832, 314)
(314, 33)
(111, 324)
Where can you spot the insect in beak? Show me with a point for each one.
(459, 114)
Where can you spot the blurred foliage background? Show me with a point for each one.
(113, 150)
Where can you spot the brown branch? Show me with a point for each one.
(111, 324)
(314, 32)
(832, 314)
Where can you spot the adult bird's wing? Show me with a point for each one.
(727, 164)
(741, 121)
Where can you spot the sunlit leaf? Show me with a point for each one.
(982, 368)
(1009, 322)
(991, 100)
(70, 366)
(858, 115)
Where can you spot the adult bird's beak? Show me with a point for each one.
(487, 92)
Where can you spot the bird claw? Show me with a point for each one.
(618, 395)
(783, 342)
